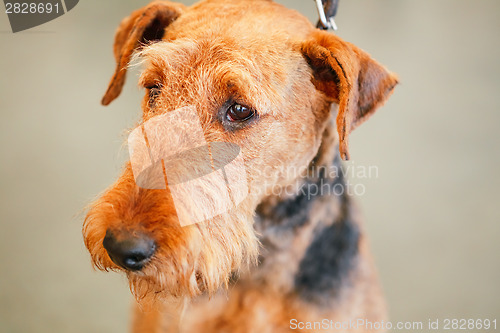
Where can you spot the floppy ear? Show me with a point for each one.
(349, 76)
(142, 26)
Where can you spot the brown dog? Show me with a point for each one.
(261, 77)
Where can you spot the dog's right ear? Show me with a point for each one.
(142, 26)
(349, 76)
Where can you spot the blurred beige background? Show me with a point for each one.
(432, 214)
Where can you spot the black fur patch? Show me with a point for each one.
(332, 253)
(294, 213)
(329, 259)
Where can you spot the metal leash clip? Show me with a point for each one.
(326, 14)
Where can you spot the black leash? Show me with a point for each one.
(327, 9)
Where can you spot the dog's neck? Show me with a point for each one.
(310, 240)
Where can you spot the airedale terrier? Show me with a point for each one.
(285, 258)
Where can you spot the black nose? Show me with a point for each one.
(129, 251)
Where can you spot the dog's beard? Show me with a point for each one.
(190, 260)
(214, 251)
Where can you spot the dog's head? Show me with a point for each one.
(248, 73)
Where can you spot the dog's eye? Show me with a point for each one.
(238, 112)
(154, 91)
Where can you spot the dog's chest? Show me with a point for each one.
(242, 309)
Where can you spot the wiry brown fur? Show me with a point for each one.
(259, 54)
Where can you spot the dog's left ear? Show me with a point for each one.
(350, 77)
(142, 26)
